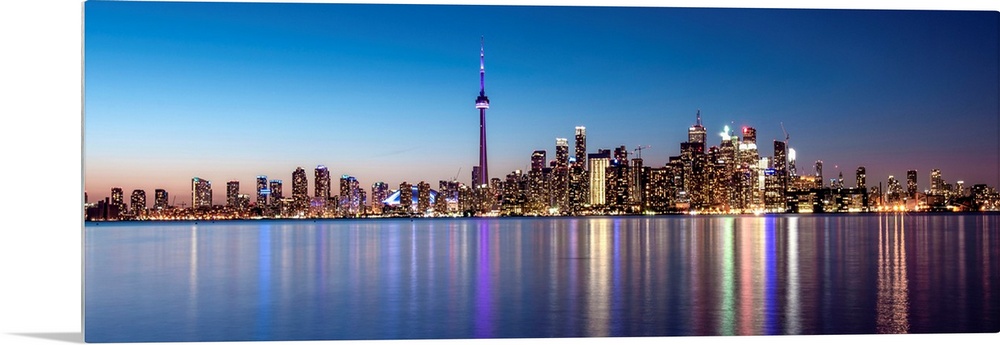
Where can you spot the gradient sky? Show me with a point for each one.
(386, 92)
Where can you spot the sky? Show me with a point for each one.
(228, 91)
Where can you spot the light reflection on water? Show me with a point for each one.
(568, 277)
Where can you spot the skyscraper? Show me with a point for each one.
(118, 199)
(791, 163)
(696, 134)
(201, 192)
(597, 163)
(405, 197)
(160, 199)
(322, 182)
(580, 148)
(482, 103)
(423, 196)
(138, 202)
(537, 160)
(275, 187)
(232, 193)
(819, 174)
(937, 183)
(300, 188)
(911, 184)
(859, 176)
(380, 191)
(560, 177)
(262, 191)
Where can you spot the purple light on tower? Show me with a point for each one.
(482, 103)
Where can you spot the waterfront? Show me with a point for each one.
(541, 277)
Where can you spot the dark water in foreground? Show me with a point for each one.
(550, 277)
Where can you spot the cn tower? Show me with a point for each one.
(482, 103)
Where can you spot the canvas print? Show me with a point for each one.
(283, 171)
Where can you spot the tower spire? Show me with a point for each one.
(482, 66)
(699, 117)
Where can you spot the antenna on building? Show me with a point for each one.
(699, 117)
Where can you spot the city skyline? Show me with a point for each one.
(238, 112)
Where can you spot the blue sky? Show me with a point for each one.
(386, 92)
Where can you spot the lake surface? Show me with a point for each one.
(541, 277)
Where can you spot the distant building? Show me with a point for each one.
(580, 149)
(537, 160)
(160, 199)
(322, 182)
(819, 174)
(911, 184)
(275, 187)
(597, 163)
(262, 191)
(423, 197)
(201, 193)
(118, 199)
(937, 183)
(138, 202)
(232, 193)
(696, 134)
(859, 177)
(300, 189)
(380, 191)
(406, 197)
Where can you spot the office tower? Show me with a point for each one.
(617, 181)
(560, 176)
(621, 154)
(118, 199)
(819, 174)
(937, 183)
(423, 196)
(476, 176)
(201, 193)
(482, 103)
(859, 176)
(160, 201)
(637, 182)
(597, 163)
(579, 190)
(696, 134)
(911, 184)
(380, 191)
(138, 202)
(275, 187)
(729, 171)
(405, 197)
(232, 192)
(748, 182)
(960, 189)
(322, 183)
(300, 188)
(791, 163)
(537, 160)
(262, 191)
(349, 197)
(580, 150)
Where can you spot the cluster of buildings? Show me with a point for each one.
(729, 178)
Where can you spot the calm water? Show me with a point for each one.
(552, 277)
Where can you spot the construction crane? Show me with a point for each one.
(786, 132)
(456, 174)
(639, 149)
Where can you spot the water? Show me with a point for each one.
(541, 277)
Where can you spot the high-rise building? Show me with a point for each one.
(791, 163)
(275, 187)
(350, 196)
(405, 197)
(380, 191)
(819, 174)
(201, 192)
(138, 202)
(300, 188)
(322, 182)
(637, 182)
(232, 192)
(937, 183)
(621, 154)
(160, 201)
(911, 184)
(560, 176)
(597, 163)
(423, 196)
(696, 134)
(859, 176)
(895, 191)
(118, 199)
(580, 149)
(482, 103)
(262, 191)
(562, 152)
(538, 160)
(476, 176)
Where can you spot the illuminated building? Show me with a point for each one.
(201, 193)
(895, 191)
(138, 202)
(349, 198)
(482, 103)
(380, 192)
(960, 189)
(160, 199)
(696, 134)
(300, 188)
(262, 191)
(911, 184)
(579, 188)
(118, 199)
(322, 183)
(423, 196)
(819, 174)
(232, 192)
(748, 185)
(617, 179)
(275, 187)
(537, 160)
(658, 197)
(512, 197)
(781, 164)
(597, 163)
(404, 197)
(774, 197)
(859, 177)
(791, 163)
(637, 182)
(937, 183)
(580, 149)
(476, 172)
(560, 177)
